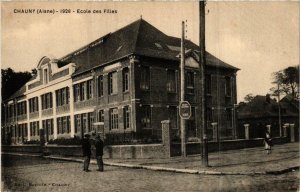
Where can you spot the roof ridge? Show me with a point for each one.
(137, 36)
(98, 39)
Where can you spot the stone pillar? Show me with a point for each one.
(71, 103)
(292, 131)
(54, 115)
(285, 127)
(269, 128)
(215, 131)
(246, 131)
(166, 137)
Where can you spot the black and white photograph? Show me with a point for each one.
(138, 96)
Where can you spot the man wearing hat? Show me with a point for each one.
(99, 152)
(86, 150)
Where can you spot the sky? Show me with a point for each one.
(259, 38)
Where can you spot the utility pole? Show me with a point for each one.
(203, 64)
(182, 92)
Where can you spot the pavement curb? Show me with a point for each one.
(166, 169)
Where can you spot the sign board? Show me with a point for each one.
(185, 110)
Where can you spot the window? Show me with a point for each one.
(77, 92)
(113, 118)
(209, 115)
(145, 78)
(33, 105)
(208, 84)
(59, 125)
(91, 121)
(171, 81)
(82, 91)
(46, 101)
(125, 74)
(100, 86)
(22, 109)
(191, 124)
(173, 115)
(101, 116)
(112, 83)
(50, 126)
(84, 122)
(126, 117)
(46, 77)
(228, 86)
(34, 128)
(90, 89)
(146, 116)
(63, 125)
(77, 123)
(190, 84)
(229, 116)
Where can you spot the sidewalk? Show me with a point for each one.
(245, 161)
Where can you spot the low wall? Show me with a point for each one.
(22, 148)
(195, 148)
(143, 151)
(114, 152)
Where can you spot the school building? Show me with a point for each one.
(130, 80)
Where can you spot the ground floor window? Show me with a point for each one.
(126, 117)
(146, 116)
(48, 126)
(113, 114)
(173, 116)
(63, 125)
(34, 128)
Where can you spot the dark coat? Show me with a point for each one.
(99, 147)
(86, 147)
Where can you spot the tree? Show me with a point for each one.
(286, 82)
(12, 81)
(249, 97)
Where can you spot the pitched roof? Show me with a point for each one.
(18, 93)
(140, 38)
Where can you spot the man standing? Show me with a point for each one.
(86, 150)
(99, 152)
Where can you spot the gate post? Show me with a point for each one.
(166, 137)
(246, 131)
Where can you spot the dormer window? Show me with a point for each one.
(46, 77)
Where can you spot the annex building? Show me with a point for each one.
(129, 79)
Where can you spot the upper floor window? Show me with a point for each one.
(47, 101)
(80, 92)
(190, 83)
(90, 90)
(228, 86)
(46, 76)
(33, 105)
(100, 86)
(112, 83)
(171, 81)
(208, 84)
(145, 78)
(62, 96)
(22, 108)
(125, 75)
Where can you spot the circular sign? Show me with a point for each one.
(185, 110)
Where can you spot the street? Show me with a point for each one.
(37, 174)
